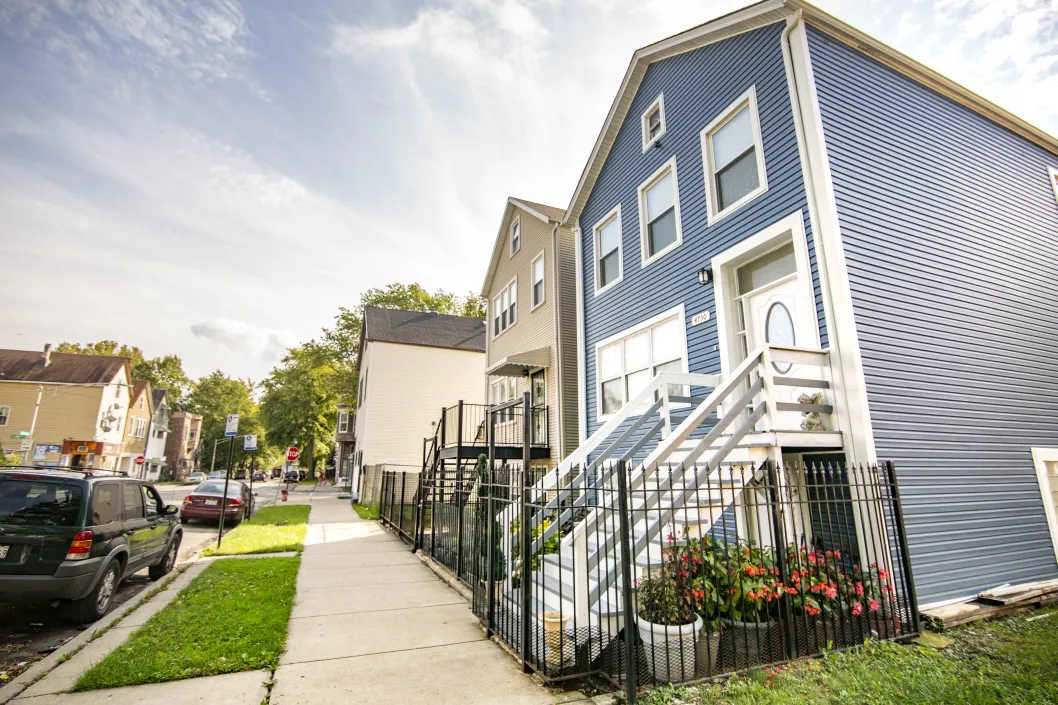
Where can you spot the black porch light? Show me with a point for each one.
(705, 275)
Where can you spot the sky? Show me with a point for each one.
(214, 179)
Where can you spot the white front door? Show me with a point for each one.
(776, 308)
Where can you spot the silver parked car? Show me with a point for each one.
(195, 478)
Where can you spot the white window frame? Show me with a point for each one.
(6, 415)
(747, 99)
(669, 166)
(509, 388)
(1052, 176)
(343, 422)
(614, 214)
(516, 225)
(658, 103)
(1040, 458)
(498, 311)
(534, 304)
(675, 312)
(143, 400)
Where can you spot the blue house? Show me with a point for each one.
(775, 184)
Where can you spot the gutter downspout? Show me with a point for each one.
(556, 306)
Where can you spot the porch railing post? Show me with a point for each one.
(460, 500)
(416, 542)
(403, 487)
(779, 534)
(627, 607)
(526, 536)
(490, 598)
(905, 552)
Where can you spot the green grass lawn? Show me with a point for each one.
(269, 530)
(1011, 661)
(232, 617)
(366, 511)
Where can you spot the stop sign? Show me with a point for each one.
(293, 453)
(139, 459)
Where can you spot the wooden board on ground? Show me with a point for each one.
(951, 616)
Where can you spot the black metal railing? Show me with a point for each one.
(476, 425)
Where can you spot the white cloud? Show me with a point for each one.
(262, 343)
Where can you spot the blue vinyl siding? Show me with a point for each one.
(950, 231)
(698, 86)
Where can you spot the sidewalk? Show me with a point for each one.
(372, 623)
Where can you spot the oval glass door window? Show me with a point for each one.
(779, 330)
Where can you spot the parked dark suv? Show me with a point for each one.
(74, 536)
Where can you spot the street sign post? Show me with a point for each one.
(231, 428)
(293, 454)
(249, 441)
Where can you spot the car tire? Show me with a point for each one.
(168, 561)
(95, 604)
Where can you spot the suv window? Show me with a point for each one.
(106, 504)
(152, 501)
(133, 501)
(39, 503)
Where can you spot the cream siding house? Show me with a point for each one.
(411, 365)
(530, 287)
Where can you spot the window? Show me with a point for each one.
(608, 267)
(653, 122)
(39, 503)
(1046, 462)
(501, 391)
(106, 504)
(538, 280)
(1052, 173)
(765, 271)
(152, 501)
(505, 308)
(516, 235)
(362, 394)
(192, 435)
(343, 421)
(143, 401)
(626, 365)
(133, 501)
(139, 428)
(5, 415)
(734, 157)
(660, 230)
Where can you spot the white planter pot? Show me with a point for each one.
(669, 650)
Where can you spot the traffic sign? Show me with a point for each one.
(249, 441)
(26, 444)
(20, 434)
(140, 460)
(293, 454)
(231, 428)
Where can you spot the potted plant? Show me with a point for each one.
(695, 568)
(750, 593)
(667, 627)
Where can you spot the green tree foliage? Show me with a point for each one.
(214, 397)
(163, 372)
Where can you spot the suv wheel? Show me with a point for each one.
(168, 561)
(96, 603)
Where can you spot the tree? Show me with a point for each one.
(214, 397)
(300, 401)
(163, 372)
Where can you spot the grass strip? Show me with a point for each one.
(269, 530)
(366, 511)
(1010, 661)
(233, 617)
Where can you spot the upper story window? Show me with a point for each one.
(626, 363)
(607, 235)
(659, 213)
(362, 394)
(516, 235)
(538, 280)
(1052, 172)
(191, 436)
(653, 122)
(501, 391)
(505, 308)
(139, 428)
(143, 402)
(343, 421)
(734, 157)
(5, 415)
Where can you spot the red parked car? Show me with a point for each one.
(205, 500)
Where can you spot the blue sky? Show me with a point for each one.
(214, 178)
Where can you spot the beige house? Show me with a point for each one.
(71, 409)
(411, 365)
(530, 287)
(137, 427)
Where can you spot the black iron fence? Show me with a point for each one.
(668, 575)
(476, 425)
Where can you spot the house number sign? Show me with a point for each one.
(699, 318)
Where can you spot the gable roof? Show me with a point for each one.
(159, 395)
(547, 214)
(426, 328)
(758, 15)
(69, 368)
(139, 386)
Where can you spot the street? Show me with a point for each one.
(26, 629)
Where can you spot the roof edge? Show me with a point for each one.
(500, 234)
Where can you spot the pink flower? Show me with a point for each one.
(832, 592)
(859, 589)
(873, 604)
(857, 609)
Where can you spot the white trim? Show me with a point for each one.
(515, 224)
(1052, 176)
(846, 360)
(514, 300)
(746, 100)
(1040, 458)
(531, 211)
(7, 416)
(532, 282)
(614, 214)
(677, 312)
(658, 103)
(641, 193)
(789, 229)
(582, 411)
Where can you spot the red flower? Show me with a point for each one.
(873, 604)
(832, 592)
(859, 589)
(857, 609)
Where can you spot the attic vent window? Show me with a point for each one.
(516, 236)
(654, 123)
